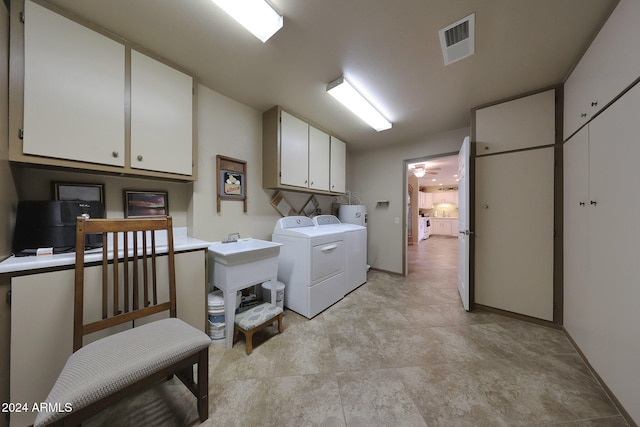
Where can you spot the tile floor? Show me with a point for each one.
(395, 352)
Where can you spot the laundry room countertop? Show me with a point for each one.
(17, 265)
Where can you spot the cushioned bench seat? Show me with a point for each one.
(255, 319)
(112, 363)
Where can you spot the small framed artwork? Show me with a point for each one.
(140, 204)
(78, 191)
(231, 184)
(231, 180)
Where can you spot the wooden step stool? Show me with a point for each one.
(255, 319)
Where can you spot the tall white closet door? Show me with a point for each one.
(161, 117)
(73, 90)
(615, 248)
(577, 299)
(514, 232)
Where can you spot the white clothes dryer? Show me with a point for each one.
(355, 240)
(311, 264)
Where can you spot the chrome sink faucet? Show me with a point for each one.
(233, 237)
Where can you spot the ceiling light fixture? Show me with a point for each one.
(419, 171)
(257, 16)
(342, 90)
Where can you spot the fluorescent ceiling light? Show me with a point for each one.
(256, 16)
(341, 90)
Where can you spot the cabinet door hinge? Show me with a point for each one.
(22, 17)
(21, 133)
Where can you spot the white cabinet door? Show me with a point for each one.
(610, 64)
(525, 122)
(74, 84)
(319, 159)
(514, 232)
(161, 117)
(578, 303)
(294, 151)
(338, 165)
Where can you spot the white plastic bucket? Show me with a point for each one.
(266, 293)
(215, 313)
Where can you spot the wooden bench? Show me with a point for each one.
(254, 320)
(105, 371)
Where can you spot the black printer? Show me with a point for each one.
(52, 224)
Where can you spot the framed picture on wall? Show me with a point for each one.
(141, 204)
(78, 191)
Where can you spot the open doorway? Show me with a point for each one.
(432, 204)
(437, 220)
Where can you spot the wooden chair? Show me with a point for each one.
(115, 366)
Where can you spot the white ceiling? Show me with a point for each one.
(445, 171)
(389, 50)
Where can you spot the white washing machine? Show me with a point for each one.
(311, 264)
(355, 240)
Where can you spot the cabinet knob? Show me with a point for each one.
(139, 158)
(594, 103)
(594, 203)
(581, 203)
(583, 115)
(115, 154)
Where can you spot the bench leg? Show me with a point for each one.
(248, 337)
(280, 329)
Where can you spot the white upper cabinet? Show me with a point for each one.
(319, 155)
(75, 89)
(300, 157)
(525, 122)
(294, 151)
(74, 86)
(161, 116)
(609, 66)
(338, 165)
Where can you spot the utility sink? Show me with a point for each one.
(238, 265)
(244, 251)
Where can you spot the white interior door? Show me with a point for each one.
(463, 222)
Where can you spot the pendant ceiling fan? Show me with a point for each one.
(421, 170)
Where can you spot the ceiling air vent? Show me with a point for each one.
(457, 40)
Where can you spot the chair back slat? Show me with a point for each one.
(125, 239)
(121, 294)
(153, 262)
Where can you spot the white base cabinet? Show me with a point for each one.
(42, 323)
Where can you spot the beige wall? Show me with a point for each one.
(231, 129)
(379, 175)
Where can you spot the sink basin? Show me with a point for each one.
(237, 265)
(244, 251)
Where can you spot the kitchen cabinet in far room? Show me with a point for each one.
(299, 156)
(425, 200)
(42, 322)
(441, 226)
(446, 197)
